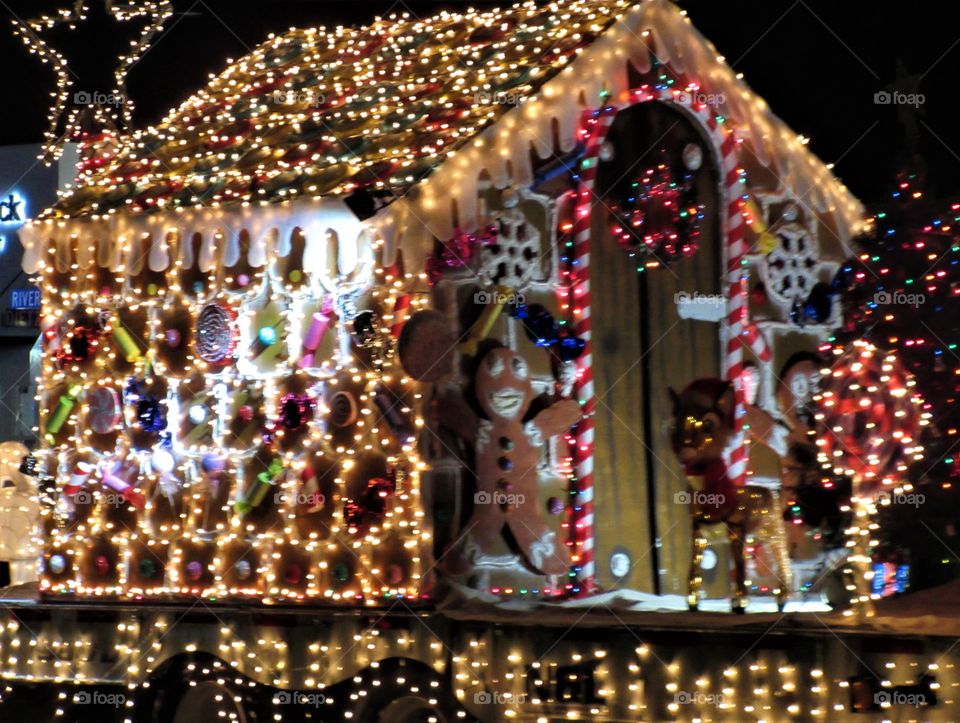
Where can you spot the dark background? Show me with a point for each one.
(817, 63)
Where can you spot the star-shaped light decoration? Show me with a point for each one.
(106, 108)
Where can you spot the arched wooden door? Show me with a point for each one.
(642, 346)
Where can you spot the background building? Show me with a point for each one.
(27, 185)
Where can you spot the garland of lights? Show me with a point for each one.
(31, 33)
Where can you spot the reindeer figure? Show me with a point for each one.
(703, 415)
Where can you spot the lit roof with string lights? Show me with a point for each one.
(325, 111)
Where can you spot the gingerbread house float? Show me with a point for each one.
(315, 335)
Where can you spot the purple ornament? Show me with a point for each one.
(173, 338)
(194, 570)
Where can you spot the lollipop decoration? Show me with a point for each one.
(870, 418)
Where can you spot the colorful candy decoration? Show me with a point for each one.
(658, 221)
(149, 412)
(319, 326)
(457, 251)
(370, 509)
(61, 414)
(216, 336)
(257, 492)
(81, 345)
(542, 329)
(78, 477)
(124, 340)
(296, 410)
(129, 493)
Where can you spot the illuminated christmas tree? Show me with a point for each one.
(902, 292)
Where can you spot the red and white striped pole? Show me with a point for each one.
(593, 132)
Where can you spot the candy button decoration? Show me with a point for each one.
(101, 564)
(194, 570)
(147, 567)
(341, 573)
(267, 335)
(343, 409)
(104, 410)
(216, 334)
(555, 506)
(243, 570)
(57, 564)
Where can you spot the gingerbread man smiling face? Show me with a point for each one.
(503, 385)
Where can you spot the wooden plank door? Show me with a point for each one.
(641, 346)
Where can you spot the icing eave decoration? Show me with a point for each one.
(83, 241)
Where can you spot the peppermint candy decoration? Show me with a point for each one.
(216, 333)
(869, 418)
(104, 410)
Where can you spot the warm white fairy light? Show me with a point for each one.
(32, 31)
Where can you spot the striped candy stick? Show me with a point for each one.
(593, 131)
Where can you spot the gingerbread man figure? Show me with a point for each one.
(507, 449)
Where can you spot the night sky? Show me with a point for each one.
(817, 63)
